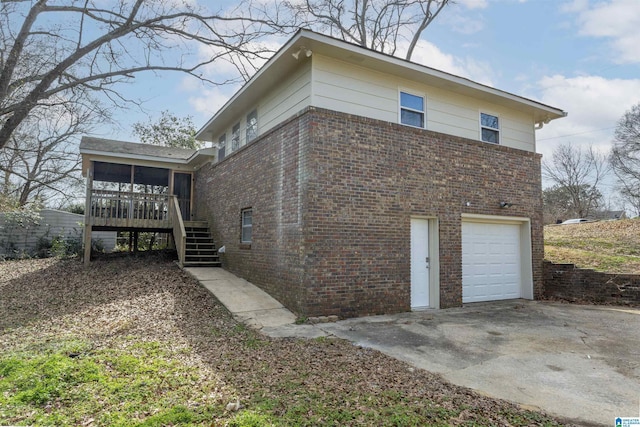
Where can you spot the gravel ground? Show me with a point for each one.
(151, 299)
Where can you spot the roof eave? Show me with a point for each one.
(130, 156)
(541, 112)
(263, 70)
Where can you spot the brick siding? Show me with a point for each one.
(566, 282)
(333, 195)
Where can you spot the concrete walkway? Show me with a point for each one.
(246, 302)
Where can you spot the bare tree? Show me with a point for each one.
(559, 202)
(625, 156)
(576, 173)
(41, 161)
(57, 49)
(381, 25)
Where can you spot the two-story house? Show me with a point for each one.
(351, 182)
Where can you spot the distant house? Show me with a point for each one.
(350, 182)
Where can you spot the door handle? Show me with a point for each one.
(427, 261)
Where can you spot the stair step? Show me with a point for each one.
(198, 259)
(199, 240)
(202, 264)
(196, 224)
(200, 248)
(202, 254)
(198, 233)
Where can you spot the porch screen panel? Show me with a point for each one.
(111, 172)
(151, 176)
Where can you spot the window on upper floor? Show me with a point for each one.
(222, 145)
(252, 125)
(247, 225)
(412, 110)
(235, 137)
(490, 128)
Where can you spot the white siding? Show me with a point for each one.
(343, 87)
(284, 100)
(52, 223)
(357, 90)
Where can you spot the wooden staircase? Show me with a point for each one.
(200, 249)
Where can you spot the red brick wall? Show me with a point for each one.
(264, 176)
(345, 188)
(371, 177)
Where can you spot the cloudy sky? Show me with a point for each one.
(582, 56)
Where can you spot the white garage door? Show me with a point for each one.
(490, 262)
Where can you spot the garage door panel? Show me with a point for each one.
(490, 261)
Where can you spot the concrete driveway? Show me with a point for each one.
(579, 362)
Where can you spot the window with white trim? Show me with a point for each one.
(252, 125)
(222, 145)
(247, 225)
(412, 110)
(490, 128)
(235, 137)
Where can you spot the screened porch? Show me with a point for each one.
(137, 197)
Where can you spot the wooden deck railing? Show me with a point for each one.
(179, 232)
(129, 209)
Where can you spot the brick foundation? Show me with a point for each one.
(333, 195)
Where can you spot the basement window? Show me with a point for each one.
(490, 128)
(412, 110)
(247, 225)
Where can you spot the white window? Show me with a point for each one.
(235, 137)
(490, 128)
(412, 110)
(252, 125)
(222, 145)
(247, 225)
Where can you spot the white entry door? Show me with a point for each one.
(419, 263)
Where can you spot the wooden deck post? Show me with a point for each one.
(87, 216)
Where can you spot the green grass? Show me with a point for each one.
(132, 384)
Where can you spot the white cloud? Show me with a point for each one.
(464, 24)
(457, 16)
(575, 6)
(209, 101)
(617, 20)
(474, 4)
(428, 54)
(594, 104)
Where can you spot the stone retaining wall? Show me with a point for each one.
(567, 282)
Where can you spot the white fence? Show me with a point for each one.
(16, 239)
